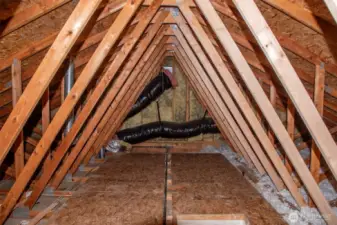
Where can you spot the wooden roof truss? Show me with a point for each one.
(170, 28)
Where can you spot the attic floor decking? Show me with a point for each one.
(129, 189)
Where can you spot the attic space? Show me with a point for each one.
(168, 112)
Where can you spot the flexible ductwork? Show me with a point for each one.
(168, 130)
(152, 91)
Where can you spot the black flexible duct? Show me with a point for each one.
(151, 92)
(167, 130)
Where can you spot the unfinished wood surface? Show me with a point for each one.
(104, 127)
(332, 5)
(126, 189)
(106, 102)
(44, 74)
(291, 130)
(230, 103)
(217, 188)
(213, 103)
(290, 81)
(267, 109)
(209, 103)
(19, 149)
(77, 90)
(315, 156)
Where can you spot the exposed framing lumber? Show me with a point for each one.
(43, 76)
(291, 130)
(106, 122)
(91, 125)
(19, 149)
(225, 128)
(272, 98)
(241, 101)
(110, 126)
(226, 122)
(116, 65)
(84, 9)
(187, 100)
(290, 81)
(332, 6)
(315, 156)
(257, 92)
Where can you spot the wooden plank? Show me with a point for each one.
(35, 89)
(43, 213)
(187, 100)
(77, 90)
(264, 104)
(19, 149)
(109, 127)
(111, 72)
(291, 130)
(257, 126)
(272, 98)
(237, 94)
(209, 103)
(103, 107)
(315, 156)
(102, 126)
(44, 74)
(332, 6)
(290, 82)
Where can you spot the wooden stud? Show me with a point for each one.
(315, 156)
(291, 130)
(187, 100)
(260, 97)
(272, 98)
(19, 150)
(43, 76)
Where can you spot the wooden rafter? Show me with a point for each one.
(241, 101)
(44, 74)
(105, 123)
(265, 106)
(91, 125)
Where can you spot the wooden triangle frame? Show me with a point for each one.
(208, 73)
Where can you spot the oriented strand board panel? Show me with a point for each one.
(127, 189)
(209, 184)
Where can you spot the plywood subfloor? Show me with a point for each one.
(209, 184)
(127, 189)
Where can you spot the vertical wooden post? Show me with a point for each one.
(272, 98)
(291, 130)
(188, 93)
(319, 103)
(19, 152)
